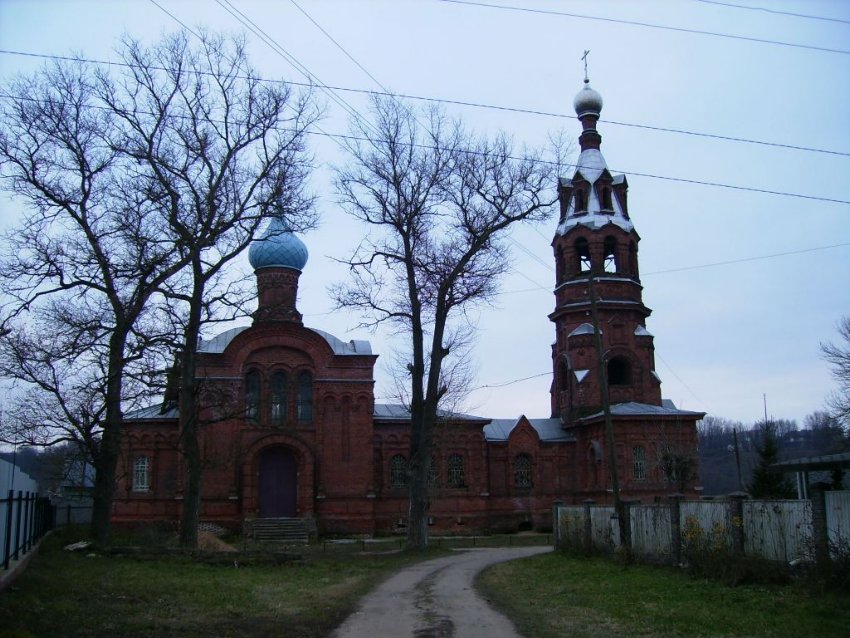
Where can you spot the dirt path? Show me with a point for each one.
(435, 599)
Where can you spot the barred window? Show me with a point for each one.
(398, 471)
(252, 395)
(456, 476)
(279, 398)
(141, 474)
(433, 475)
(638, 463)
(305, 397)
(522, 471)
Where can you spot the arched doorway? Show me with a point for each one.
(278, 484)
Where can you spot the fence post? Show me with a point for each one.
(556, 523)
(736, 520)
(27, 544)
(18, 514)
(7, 550)
(676, 527)
(819, 528)
(588, 526)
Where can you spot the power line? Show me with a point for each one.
(340, 136)
(774, 11)
(480, 105)
(647, 25)
(745, 259)
(340, 47)
(511, 382)
(292, 60)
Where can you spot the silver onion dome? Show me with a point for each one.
(588, 101)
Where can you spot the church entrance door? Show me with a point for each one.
(278, 483)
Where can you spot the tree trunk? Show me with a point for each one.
(110, 444)
(189, 415)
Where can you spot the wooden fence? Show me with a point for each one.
(776, 530)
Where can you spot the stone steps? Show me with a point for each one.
(282, 530)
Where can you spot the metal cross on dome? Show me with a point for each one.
(584, 58)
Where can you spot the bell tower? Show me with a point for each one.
(596, 253)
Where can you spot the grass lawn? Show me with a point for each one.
(556, 595)
(72, 594)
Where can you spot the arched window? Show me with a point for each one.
(583, 255)
(522, 471)
(305, 397)
(563, 377)
(398, 471)
(141, 474)
(252, 395)
(638, 463)
(633, 262)
(610, 261)
(607, 204)
(456, 476)
(581, 200)
(279, 403)
(619, 371)
(433, 474)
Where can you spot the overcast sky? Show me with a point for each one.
(744, 284)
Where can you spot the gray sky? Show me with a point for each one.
(726, 334)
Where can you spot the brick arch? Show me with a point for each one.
(307, 470)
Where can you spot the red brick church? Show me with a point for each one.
(290, 427)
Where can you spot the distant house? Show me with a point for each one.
(290, 426)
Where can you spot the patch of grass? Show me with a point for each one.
(555, 595)
(75, 594)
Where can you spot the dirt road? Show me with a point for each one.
(435, 599)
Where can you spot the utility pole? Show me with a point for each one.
(624, 526)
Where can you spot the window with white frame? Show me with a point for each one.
(522, 471)
(141, 474)
(398, 471)
(638, 463)
(457, 475)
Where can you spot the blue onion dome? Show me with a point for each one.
(588, 101)
(278, 248)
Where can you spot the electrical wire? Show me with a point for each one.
(774, 11)
(746, 259)
(340, 136)
(648, 25)
(480, 105)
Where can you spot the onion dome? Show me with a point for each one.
(278, 248)
(588, 101)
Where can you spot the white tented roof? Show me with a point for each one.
(549, 430)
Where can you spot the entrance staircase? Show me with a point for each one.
(292, 531)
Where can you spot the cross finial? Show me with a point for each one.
(584, 57)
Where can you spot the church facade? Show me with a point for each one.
(290, 428)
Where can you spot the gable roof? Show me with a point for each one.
(549, 430)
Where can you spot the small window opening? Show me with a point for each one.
(583, 254)
(141, 474)
(607, 204)
(619, 371)
(610, 262)
(456, 475)
(252, 395)
(305, 397)
(278, 398)
(638, 463)
(581, 200)
(398, 471)
(522, 471)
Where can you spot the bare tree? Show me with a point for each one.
(140, 182)
(838, 357)
(87, 234)
(438, 202)
(218, 150)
